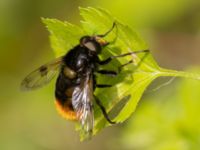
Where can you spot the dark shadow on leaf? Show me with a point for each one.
(119, 106)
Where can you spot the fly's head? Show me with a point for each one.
(93, 43)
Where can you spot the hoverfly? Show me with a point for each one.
(76, 81)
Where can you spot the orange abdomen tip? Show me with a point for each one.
(65, 111)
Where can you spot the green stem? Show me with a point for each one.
(174, 73)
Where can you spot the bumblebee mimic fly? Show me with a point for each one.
(76, 81)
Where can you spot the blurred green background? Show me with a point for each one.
(166, 119)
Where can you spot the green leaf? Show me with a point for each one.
(63, 35)
(131, 83)
(171, 118)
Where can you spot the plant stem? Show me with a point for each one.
(166, 72)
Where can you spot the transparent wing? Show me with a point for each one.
(42, 75)
(82, 99)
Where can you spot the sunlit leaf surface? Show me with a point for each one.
(166, 121)
(121, 99)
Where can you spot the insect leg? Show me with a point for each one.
(107, 72)
(131, 61)
(103, 85)
(109, 59)
(123, 65)
(103, 110)
(105, 62)
(131, 53)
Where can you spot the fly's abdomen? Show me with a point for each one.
(63, 93)
(64, 104)
(65, 110)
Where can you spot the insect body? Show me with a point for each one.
(76, 81)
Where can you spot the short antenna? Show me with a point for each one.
(105, 34)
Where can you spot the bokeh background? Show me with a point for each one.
(166, 118)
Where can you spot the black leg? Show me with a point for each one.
(131, 53)
(120, 67)
(104, 62)
(131, 61)
(103, 85)
(109, 59)
(107, 72)
(103, 110)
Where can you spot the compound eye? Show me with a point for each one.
(84, 40)
(90, 45)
